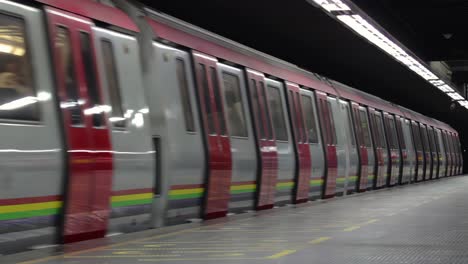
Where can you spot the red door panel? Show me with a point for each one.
(219, 171)
(304, 159)
(89, 167)
(363, 159)
(268, 171)
(330, 148)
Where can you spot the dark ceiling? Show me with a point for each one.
(302, 34)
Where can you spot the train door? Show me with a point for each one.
(437, 161)
(403, 178)
(366, 152)
(284, 141)
(239, 125)
(409, 166)
(219, 159)
(89, 153)
(380, 148)
(313, 131)
(449, 153)
(442, 154)
(267, 170)
(329, 139)
(303, 157)
(390, 128)
(32, 151)
(433, 154)
(363, 158)
(117, 56)
(342, 151)
(352, 156)
(419, 151)
(427, 152)
(373, 165)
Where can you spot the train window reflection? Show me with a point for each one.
(218, 101)
(365, 128)
(309, 115)
(277, 113)
(118, 119)
(91, 80)
(234, 105)
(266, 108)
(18, 99)
(185, 95)
(205, 90)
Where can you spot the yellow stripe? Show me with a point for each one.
(130, 197)
(285, 184)
(186, 191)
(29, 207)
(243, 187)
(319, 240)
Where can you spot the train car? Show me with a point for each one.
(176, 124)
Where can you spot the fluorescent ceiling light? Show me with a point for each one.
(446, 89)
(332, 5)
(455, 96)
(437, 82)
(463, 103)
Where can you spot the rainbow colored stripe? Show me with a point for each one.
(29, 210)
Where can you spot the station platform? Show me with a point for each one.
(423, 223)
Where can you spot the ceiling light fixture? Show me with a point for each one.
(352, 18)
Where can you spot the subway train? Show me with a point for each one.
(116, 118)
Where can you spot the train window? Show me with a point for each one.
(18, 99)
(326, 123)
(256, 109)
(350, 126)
(277, 112)
(399, 126)
(365, 128)
(73, 101)
(375, 130)
(185, 95)
(332, 123)
(207, 98)
(218, 101)
(380, 129)
(295, 116)
(301, 118)
(234, 105)
(424, 138)
(309, 116)
(91, 80)
(392, 132)
(268, 127)
(417, 137)
(117, 119)
(430, 135)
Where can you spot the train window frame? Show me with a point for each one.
(269, 122)
(245, 130)
(187, 106)
(256, 109)
(121, 124)
(93, 87)
(205, 89)
(218, 100)
(363, 114)
(331, 117)
(38, 111)
(312, 121)
(277, 91)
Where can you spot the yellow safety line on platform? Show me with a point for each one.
(319, 240)
(282, 254)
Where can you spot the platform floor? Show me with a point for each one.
(423, 223)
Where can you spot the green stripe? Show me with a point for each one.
(132, 202)
(29, 214)
(185, 196)
(243, 191)
(284, 187)
(340, 180)
(316, 182)
(352, 178)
